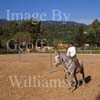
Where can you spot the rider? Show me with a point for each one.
(71, 52)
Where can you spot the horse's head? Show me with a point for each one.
(58, 58)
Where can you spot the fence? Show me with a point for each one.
(89, 55)
(46, 59)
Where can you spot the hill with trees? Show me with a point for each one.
(28, 30)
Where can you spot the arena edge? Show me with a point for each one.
(28, 81)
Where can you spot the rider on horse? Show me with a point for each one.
(71, 52)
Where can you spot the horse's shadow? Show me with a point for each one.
(87, 80)
(98, 97)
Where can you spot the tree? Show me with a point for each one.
(33, 27)
(1, 33)
(94, 33)
(23, 37)
(79, 37)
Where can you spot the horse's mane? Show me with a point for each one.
(65, 56)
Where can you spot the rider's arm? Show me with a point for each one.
(68, 52)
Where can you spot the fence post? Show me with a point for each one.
(90, 57)
(50, 62)
(19, 56)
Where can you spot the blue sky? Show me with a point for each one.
(84, 11)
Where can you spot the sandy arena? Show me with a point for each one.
(33, 74)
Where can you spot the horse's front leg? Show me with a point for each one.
(74, 82)
(65, 76)
(66, 80)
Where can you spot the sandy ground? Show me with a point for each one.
(30, 77)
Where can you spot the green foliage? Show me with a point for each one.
(65, 32)
(79, 38)
(23, 36)
(93, 36)
(27, 30)
(21, 30)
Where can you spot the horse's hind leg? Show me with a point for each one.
(84, 83)
(66, 81)
(74, 82)
(83, 76)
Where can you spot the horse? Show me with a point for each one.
(70, 70)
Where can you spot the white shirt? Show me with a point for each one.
(71, 51)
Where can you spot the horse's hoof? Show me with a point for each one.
(84, 84)
(69, 88)
(73, 89)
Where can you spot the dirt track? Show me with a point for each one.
(38, 66)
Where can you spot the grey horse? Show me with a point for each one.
(70, 70)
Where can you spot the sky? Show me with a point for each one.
(83, 11)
